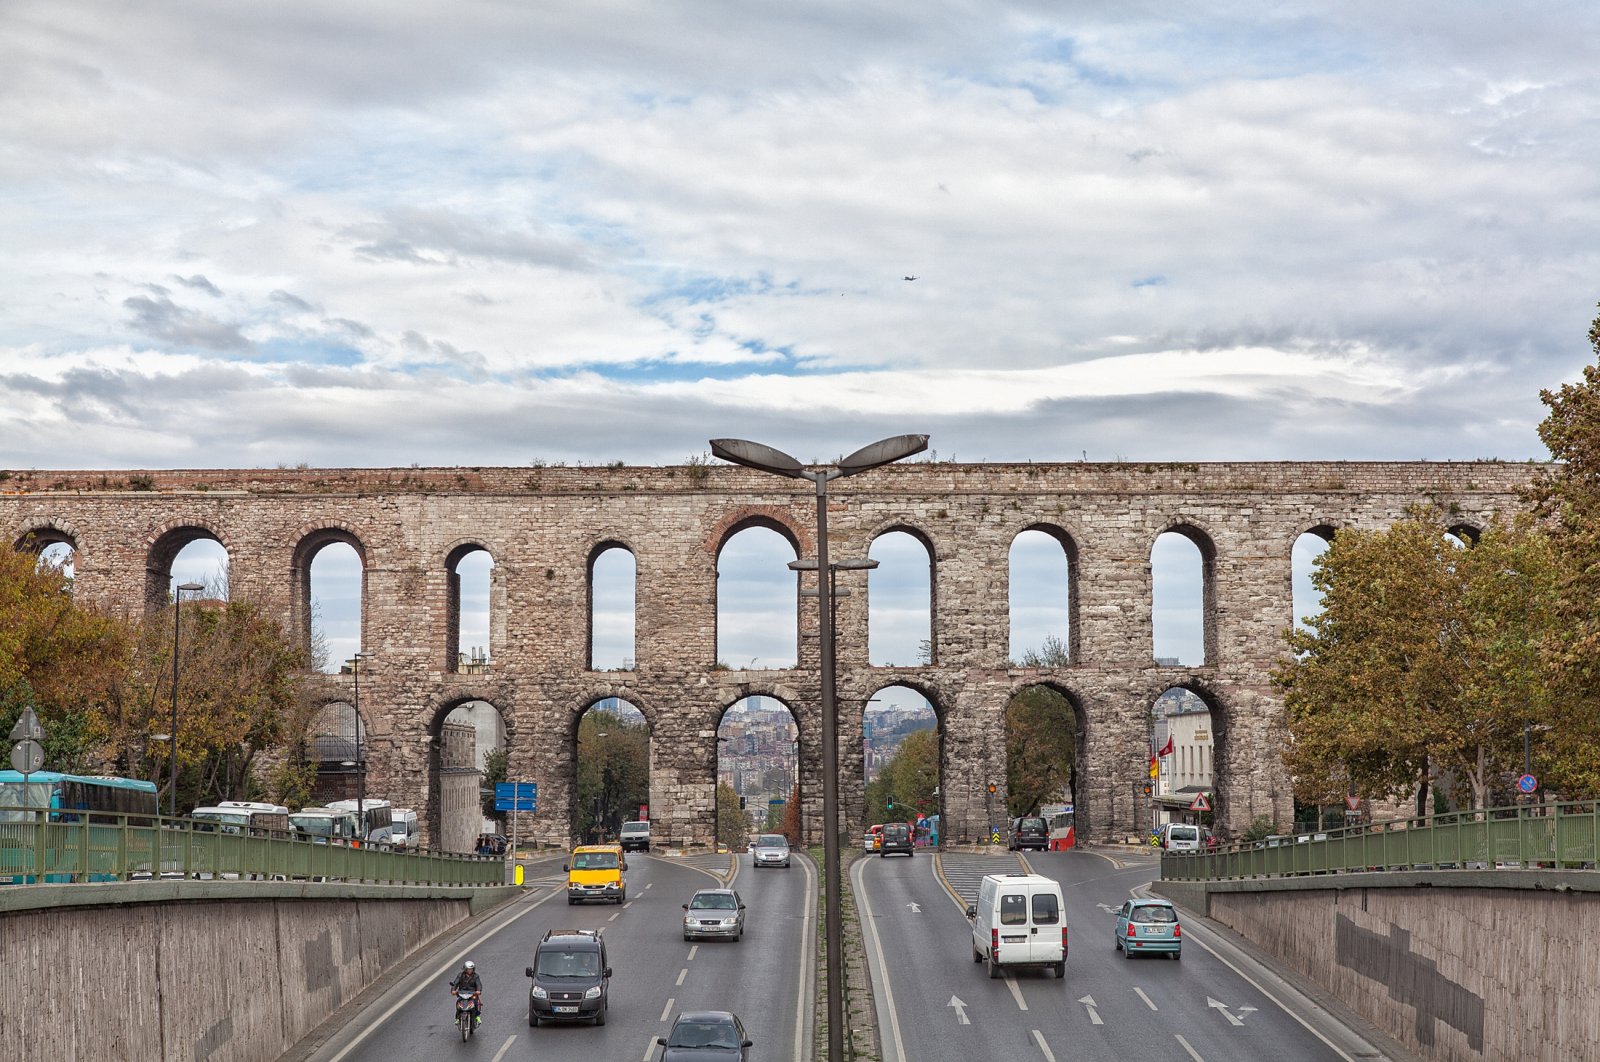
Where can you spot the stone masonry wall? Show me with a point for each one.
(542, 526)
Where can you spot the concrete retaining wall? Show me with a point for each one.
(199, 971)
(1458, 966)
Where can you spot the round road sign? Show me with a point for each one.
(27, 756)
(1527, 783)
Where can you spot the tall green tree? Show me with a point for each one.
(1422, 662)
(909, 779)
(1041, 746)
(613, 772)
(733, 824)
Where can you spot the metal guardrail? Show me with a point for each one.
(109, 847)
(1563, 836)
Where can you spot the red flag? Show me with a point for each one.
(1166, 750)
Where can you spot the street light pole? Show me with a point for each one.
(766, 459)
(172, 747)
(361, 770)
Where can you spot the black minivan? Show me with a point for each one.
(1030, 831)
(896, 838)
(571, 978)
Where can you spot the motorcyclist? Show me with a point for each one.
(467, 981)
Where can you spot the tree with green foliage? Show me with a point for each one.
(494, 772)
(1420, 662)
(1041, 747)
(790, 827)
(613, 773)
(733, 825)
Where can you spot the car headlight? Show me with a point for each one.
(593, 993)
(540, 993)
(730, 921)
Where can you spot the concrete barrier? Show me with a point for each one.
(202, 970)
(1455, 965)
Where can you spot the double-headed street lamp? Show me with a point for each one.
(172, 759)
(766, 459)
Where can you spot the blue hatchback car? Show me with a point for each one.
(1149, 927)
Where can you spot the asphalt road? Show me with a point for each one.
(764, 978)
(937, 1005)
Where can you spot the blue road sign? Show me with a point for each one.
(1527, 783)
(516, 796)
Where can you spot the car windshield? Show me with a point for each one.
(594, 861)
(1031, 824)
(1154, 914)
(569, 964)
(712, 902)
(703, 1034)
(772, 841)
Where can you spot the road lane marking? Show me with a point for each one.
(428, 981)
(666, 1011)
(915, 908)
(682, 974)
(649, 1049)
(614, 917)
(1038, 1038)
(1147, 1001)
(1094, 1015)
(858, 873)
(1016, 992)
(1192, 1052)
(692, 949)
(803, 1044)
(498, 1055)
(649, 884)
(961, 1010)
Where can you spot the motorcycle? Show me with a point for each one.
(466, 1012)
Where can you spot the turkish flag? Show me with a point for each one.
(1166, 750)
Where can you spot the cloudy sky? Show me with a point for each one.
(358, 233)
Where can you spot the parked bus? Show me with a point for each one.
(73, 827)
(237, 816)
(63, 795)
(326, 825)
(378, 828)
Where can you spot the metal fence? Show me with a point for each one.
(1560, 836)
(36, 849)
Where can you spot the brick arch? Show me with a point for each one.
(444, 798)
(454, 553)
(901, 525)
(1084, 802)
(771, 517)
(1205, 540)
(164, 542)
(747, 519)
(1231, 810)
(592, 699)
(604, 543)
(1069, 548)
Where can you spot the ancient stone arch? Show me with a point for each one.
(542, 526)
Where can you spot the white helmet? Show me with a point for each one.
(470, 965)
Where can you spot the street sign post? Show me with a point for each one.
(1199, 803)
(27, 756)
(514, 797)
(1527, 783)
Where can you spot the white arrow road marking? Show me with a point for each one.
(1245, 1010)
(1038, 1038)
(1226, 1013)
(915, 908)
(1147, 1000)
(961, 1011)
(1094, 1015)
(1107, 908)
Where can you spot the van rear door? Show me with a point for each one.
(1044, 932)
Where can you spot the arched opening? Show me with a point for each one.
(467, 758)
(902, 760)
(1044, 750)
(468, 635)
(337, 749)
(900, 602)
(188, 554)
(611, 758)
(330, 585)
(1183, 765)
(758, 772)
(757, 600)
(60, 554)
(613, 584)
(1180, 597)
(1303, 557)
(1042, 598)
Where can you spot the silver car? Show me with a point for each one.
(770, 850)
(714, 914)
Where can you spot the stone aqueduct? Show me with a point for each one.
(544, 527)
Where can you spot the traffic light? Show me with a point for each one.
(741, 803)
(1147, 789)
(993, 787)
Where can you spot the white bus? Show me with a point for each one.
(326, 825)
(378, 828)
(238, 816)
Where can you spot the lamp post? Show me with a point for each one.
(766, 459)
(361, 771)
(177, 611)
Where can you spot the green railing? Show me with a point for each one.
(34, 850)
(1530, 836)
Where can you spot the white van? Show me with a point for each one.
(1018, 922)
(404, 827)
(1183, 837)
(378, 828)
